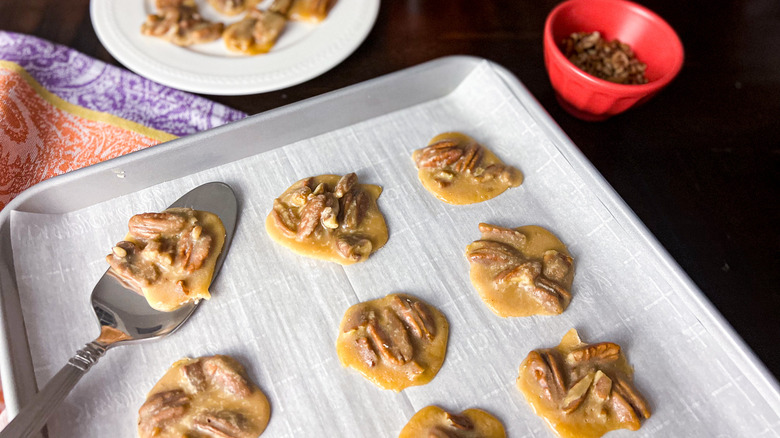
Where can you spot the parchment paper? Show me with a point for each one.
(279, 313)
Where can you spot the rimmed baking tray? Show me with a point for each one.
(700, 377)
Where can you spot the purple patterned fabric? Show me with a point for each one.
(87, 82)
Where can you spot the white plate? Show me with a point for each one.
(303, 52)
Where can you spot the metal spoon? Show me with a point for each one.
(124, 316)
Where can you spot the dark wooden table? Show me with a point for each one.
(698, 163)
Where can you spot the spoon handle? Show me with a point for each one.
(33, 416)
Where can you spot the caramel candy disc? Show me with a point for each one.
(256, 33)
(458, 170)
(169, 257)
(208, 396)
(180, 22)
(521, 271)
(582, 390)
(434, 422)
(395, 342)
(329, 217)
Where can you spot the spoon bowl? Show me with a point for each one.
(125, 317)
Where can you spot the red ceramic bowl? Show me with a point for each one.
(653, 41)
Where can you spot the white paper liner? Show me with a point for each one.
(278, 313)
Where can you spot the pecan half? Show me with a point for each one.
(311, 214)
(602, 352)
(345, 184)
(284, 218)
(549, 380)
(223, 424)
(152, 225)
(398, 335)
(501, 234)
(623, 411)
(550, 295)
(438, 157)
(524, 273)
(357, 320)
(355, 205)
(194, 375)
(459, 421)
(393, 342)
(471, 158)
(490, 252)
(365, 352)
(631, 395)
(163, 408)
(221, 374)
(416, 316)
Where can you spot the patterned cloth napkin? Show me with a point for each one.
(61, 110)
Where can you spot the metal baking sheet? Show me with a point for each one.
(279, 313)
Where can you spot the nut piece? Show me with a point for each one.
(223, 424)
(162, 409)
(310, 215)
(345, 184)
(601, 352)
(194, 376)
(366, 352)
(576, 394)
(221, 373)
(355, 207)
(510, 236)
(459, 421)
(492, 253)
(415, 315)
(613, 61)
(600, 393)
(396, 341)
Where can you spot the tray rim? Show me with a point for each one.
(19, 378)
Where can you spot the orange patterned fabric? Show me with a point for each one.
(42, 135)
